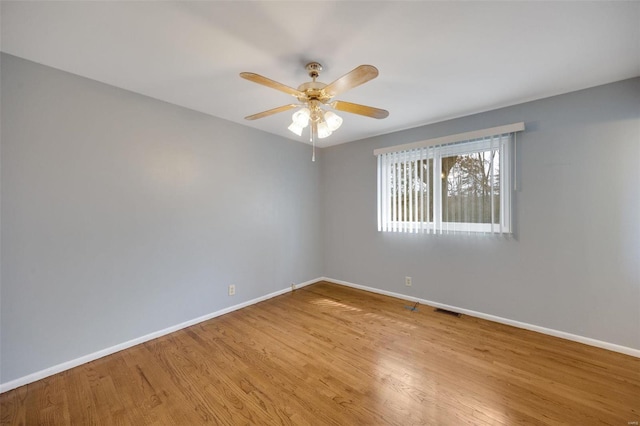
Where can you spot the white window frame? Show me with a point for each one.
(499, 138)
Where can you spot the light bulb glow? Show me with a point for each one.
(333, 120)
(296, 128)
(301, 117)
(323, 130)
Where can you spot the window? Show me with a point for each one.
(458, 187)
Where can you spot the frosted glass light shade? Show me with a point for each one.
(301, 117)
(323, 130)
(333, 120)
(296, 128)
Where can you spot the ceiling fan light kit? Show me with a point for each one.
(315, 99)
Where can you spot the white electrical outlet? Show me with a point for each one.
(407, 281)
(232, 289)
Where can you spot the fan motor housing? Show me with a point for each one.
(313, 90)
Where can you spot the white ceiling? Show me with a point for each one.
(437, 60)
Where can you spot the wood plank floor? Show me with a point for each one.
(327, 354)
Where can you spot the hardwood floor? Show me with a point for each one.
(327, 354)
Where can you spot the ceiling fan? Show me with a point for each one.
(315, 98)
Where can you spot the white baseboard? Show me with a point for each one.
(551, 332)
(4, 387)
(38, 375)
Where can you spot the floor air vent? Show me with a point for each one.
(444, 311)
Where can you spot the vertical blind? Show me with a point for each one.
(462, 186)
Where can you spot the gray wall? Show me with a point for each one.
(574, 264)
(123, 215)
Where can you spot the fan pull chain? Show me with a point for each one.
(313, 144)
(515, 161)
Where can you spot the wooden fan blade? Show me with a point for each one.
(360, 109)
(352, 79)
(271, 112)
(257, 78)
